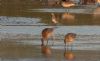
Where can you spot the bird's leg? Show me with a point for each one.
(47, 43)
(53, 38)
(65, 44)
(65, 49)
(42, 42)
(68, 46)
(71, 46)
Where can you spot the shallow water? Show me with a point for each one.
(28, 46)
(18, 52)
(21, 24)
(63, 19)
(87, 36)
(35, 9)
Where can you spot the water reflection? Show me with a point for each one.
(96, 16)
(68, 18)
(96, 13)
(69, 55)
(30, 49)
(53, 19)
(25, 39)
(46, 50)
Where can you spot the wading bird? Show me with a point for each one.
(66, 4)
(46, 34)
(69, 38)
(54, 19)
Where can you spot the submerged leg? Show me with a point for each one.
(65, 45)
(72, 46)
(42, 41)
(47, 43)
(68, 46)
(53, 38)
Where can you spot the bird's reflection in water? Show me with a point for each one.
(96, 13)
(46, 51)
(57, 19)
(69, 55)
(68, 18)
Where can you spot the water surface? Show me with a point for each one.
(21, 24)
